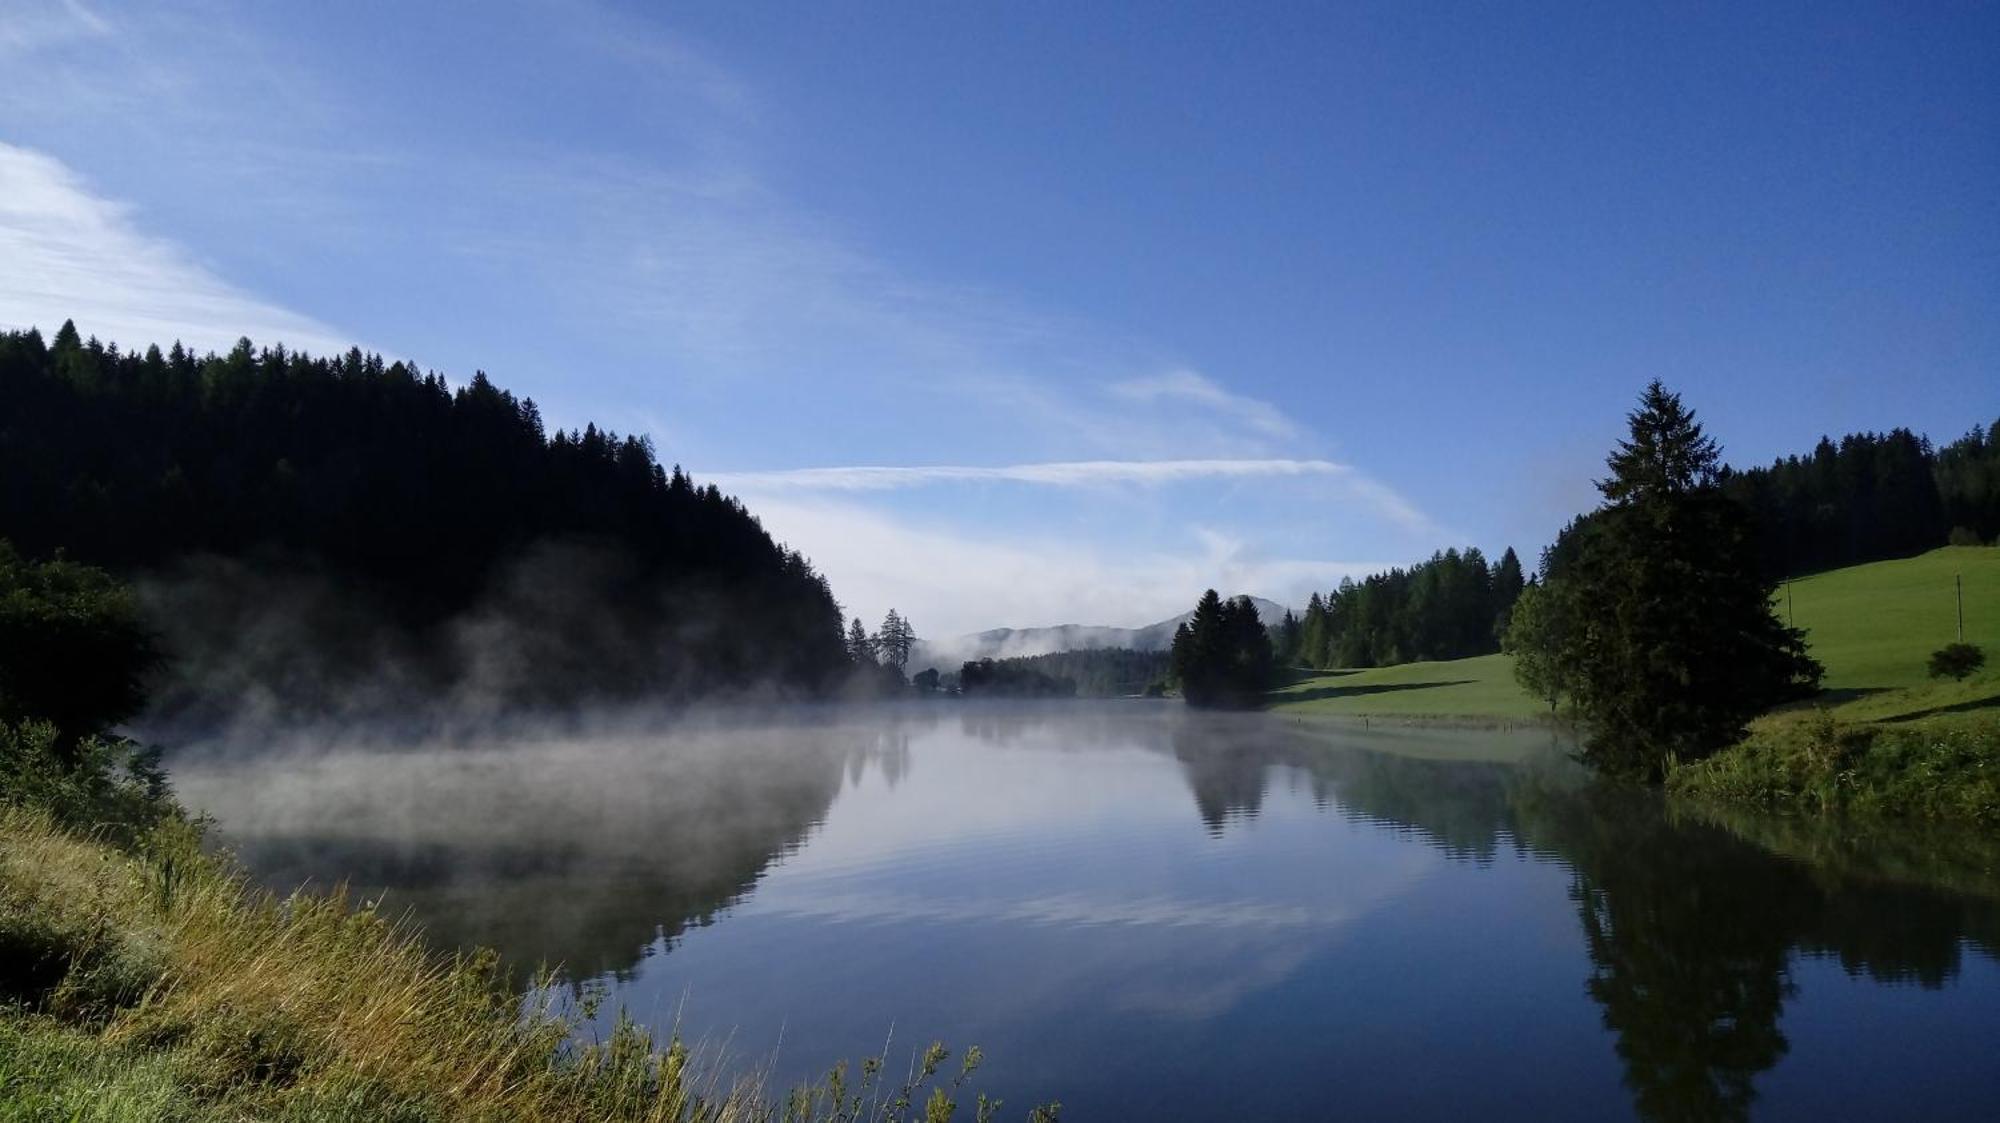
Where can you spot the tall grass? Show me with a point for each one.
(141, 978)
(1939, 767)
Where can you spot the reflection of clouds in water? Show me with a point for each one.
(1198, 995)
(1053, 909)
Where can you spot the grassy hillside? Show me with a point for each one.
(1477, 688)
(1873, 626)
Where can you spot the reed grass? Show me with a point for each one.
(142, 978)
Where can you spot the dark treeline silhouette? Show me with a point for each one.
(877, 661)
(1223, 655)
(1870, 497)
(1011, 678)
(429, 505)
(1098, 672)
(1452, 606)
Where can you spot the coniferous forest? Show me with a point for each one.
(1866, 497)
(1871, 497)
(346, 518)
(1094, 672)
(1453, 606)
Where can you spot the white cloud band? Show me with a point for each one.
(1072, 473)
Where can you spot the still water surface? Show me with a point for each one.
(1147, 913)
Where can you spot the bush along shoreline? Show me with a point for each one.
(1815, 762)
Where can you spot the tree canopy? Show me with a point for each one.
(1654, 615)
(422, 502)
(1449, 607)
(73, 652)
(1222, 656)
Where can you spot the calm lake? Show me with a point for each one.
(1144, 912)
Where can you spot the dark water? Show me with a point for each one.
(1147, 913)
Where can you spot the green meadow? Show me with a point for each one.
(1477, 689)
(1873, 626)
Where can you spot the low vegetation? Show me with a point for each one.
(150, 983)
(1928, 768)
(143, 978)
(1956, 660)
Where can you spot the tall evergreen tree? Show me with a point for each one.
(1508, 584)
(1222, 655)
(860, 646)
(1673, 642)
(895, 639)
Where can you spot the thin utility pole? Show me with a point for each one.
(1958, 586)
(1789, 622)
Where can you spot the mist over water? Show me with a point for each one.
(1148, 912)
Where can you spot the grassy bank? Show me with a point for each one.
(141, 979)
(1946, 768)
(1884, 739)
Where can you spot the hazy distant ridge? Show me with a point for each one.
(1001, 643)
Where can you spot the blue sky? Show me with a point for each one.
(1138, 299)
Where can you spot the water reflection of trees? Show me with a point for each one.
(1691, 919)
(590, 856)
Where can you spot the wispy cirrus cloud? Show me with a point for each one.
(1059, 474)
(1079, 473)
(1192, 388)
(952, 580)
(34, 27)
(68, 253)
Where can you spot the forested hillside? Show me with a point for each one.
(1867, 497)
(433, 522)
(1453, 606)
(1871, 497)
(1097, 672)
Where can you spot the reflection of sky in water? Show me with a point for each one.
(1147, 916)
(1073, 914)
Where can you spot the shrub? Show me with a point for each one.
(1956, 660)
(1925, 770)
(1964, 536)
(110, 788)
(73, 651)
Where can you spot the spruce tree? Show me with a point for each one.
(1222, 655)
(894, 641)
(1673, 644)
(860, 648)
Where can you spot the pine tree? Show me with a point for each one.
(860, 648)
(1313, 634)
(1508, 584)
(1673, 641)
(1222, 655)
(1289, 631)
(895, 639)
